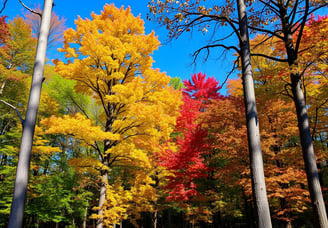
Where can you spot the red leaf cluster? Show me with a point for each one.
(4, 30)
(188, 164)
(202, 88)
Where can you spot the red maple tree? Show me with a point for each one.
(188, 163)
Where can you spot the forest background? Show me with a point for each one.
(189, 166)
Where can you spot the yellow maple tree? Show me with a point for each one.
(110, 58)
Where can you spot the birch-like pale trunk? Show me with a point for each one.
(253, 133)
(84, 224)
(23, 166)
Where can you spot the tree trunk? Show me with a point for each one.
(289, 224)
(155, 219)
(2, 86)
(84, 225)
(318, 204)
(102, 196)
(23, 166)
(253, 134)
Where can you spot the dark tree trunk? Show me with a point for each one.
(303, 121)
(308, 153)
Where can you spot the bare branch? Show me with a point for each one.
(207, 47)
(262, 42)
(270, 57)
(78, 106)
(212, 17)
(29, 9)
(298, 24)
(235, 66)
(287, 91)
(13, 107)
(4, 6)
(270, 6)
(291, 17)
(275, 33)
(298, 41)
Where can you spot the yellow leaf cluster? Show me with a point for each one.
(111, 46)
(122, 203)
(110, 58)
(78, 126)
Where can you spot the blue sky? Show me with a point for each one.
(173, 57)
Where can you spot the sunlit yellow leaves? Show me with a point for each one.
(114, 45)
(87, 164)
(110, 59)
(122, 203)
(79, 127)
(48, 105)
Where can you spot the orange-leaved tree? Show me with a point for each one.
(110, 58)
(283, 163)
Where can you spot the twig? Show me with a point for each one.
(4, 6)
(29, 9)
(269, 57)
(13, 107)
(235, 66)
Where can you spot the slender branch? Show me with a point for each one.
(316, 117)
(223, 38)
(13, 107)
(29, 9)
(287, 3)
(207, 47)
(291, 16)
(78, 106)
(298, 41)
(270, 57)
(298, 24)
(215, 17)
(269, 6)
(235, 66)
(306, 67)
(274, 3)
(262, 42)
(287, 91)
(315, 123)
(275, 33)
(4, 6)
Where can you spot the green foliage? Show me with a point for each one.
(62, 90)
(9, 139)
(176, 83)
(52, 197)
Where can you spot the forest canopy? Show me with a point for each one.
(119, 142)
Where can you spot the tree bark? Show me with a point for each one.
(253, 134)
(155, 219)
(84, 225)
(102, 196)
(318, 204)
(317, 201)
(23, 166)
